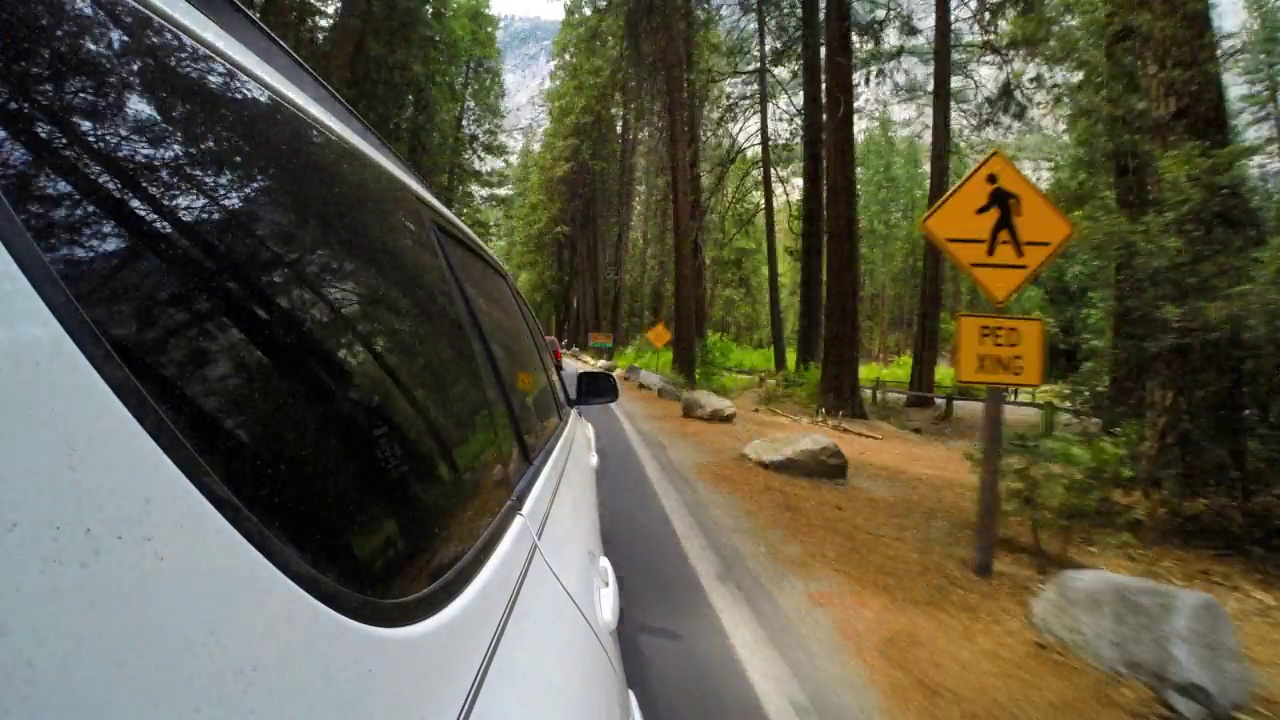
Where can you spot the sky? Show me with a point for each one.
(550, 9)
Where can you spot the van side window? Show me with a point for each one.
(276, 294)
(518, 353)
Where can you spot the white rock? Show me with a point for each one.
(1178, 642)
(806, 454)
(650, 381)
(704, 405)
(667, 391)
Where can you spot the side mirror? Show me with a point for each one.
(595, 387)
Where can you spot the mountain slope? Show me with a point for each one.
(525, 43)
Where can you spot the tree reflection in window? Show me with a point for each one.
(519, 354)
(269, 287)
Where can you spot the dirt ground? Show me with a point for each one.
(887, 557)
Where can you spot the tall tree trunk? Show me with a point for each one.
(839, 386)
(662, 249)
(626, 188)
(1194, 404)
(809, 325)
(280, 18)
(637, 311)
(924, 353)
(567, 257)
(694, 106)
(459, 126)
(684, 345)
(1130, 168)
(766, 175)
(344, 42)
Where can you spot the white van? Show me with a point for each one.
(278, 437)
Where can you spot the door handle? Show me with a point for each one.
(610, 605)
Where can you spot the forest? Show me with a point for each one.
(753, 172)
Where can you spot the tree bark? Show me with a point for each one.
(456, 153)
(924, 353)
(809, 325)
(279, 17)
(626, 187)
(766, 175)
(684, 342)
(839, 385)
(344, 42)
(693, 106)
(662, 250)
(1197, 442)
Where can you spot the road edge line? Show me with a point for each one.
(780, 693)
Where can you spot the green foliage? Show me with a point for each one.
(1067, 481)
(1258, 64)
(425, 74)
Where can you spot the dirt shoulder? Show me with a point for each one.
(886, 560)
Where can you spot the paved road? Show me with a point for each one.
(678, 658)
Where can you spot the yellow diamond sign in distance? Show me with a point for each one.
(1000, 350)
(998, 227)
(659, 335)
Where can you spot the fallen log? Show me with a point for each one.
(833, 424)
(776, 411)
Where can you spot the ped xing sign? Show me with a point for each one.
(659, 335)
(997, 227)
(999, 350)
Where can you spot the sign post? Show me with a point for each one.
(997, 227)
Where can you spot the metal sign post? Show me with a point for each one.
(1001, 230)
(988, 528)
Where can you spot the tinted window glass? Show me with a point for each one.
(519, 354)
(274, 292)
(557, 382)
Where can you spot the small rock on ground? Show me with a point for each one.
(667, 391)
(806, 455)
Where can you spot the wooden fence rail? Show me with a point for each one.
(1048, 409)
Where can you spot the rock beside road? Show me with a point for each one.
(704, 405)
(667, 391)
(1178, 642)
(806, 455)
(650, 381)
(608, 365)
(632, 373)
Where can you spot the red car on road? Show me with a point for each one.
(554, 345)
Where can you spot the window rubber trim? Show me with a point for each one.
(97, 351)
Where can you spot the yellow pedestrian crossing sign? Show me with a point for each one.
(659, 335)
(997, 227)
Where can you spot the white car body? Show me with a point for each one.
(125, 594)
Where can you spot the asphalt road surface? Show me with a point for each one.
(677, 655)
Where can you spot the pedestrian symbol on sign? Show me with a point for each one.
(1007, 206)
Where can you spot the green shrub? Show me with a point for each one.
(1064, 482)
